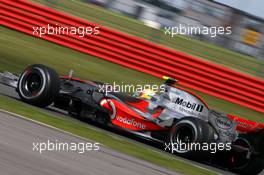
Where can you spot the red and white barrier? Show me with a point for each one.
(138, 54)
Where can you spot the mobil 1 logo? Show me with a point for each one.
(190, 105)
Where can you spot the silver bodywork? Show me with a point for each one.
(9, 79)
(178, 104)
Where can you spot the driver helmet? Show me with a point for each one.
(147, 94)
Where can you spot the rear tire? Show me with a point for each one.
(253, 167)
(248, 163)
(190, 130)
(38, 85)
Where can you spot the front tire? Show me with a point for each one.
(38, 85)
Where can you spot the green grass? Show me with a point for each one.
(103, 137)
(128, 25)
(19, 50)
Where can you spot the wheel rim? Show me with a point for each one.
(184, 134)
(32, 83)
(241, 159)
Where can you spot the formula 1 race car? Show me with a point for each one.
(174, 116)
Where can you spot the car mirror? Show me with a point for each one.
(97, 96)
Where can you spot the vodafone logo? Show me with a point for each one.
(131, 122)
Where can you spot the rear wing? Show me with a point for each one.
(244, 125)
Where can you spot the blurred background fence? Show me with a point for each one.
(242, 51)
(247, 30)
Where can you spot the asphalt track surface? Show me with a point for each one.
(17, 156)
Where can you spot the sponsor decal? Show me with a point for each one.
(192, 113)
(189, 105)
(131, 122)
(244, 125)
(224, 123)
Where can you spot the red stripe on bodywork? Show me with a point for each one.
(244, 125)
